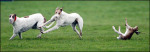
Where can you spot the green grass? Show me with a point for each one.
(98, 35)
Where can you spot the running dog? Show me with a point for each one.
(62, 19)
(23, 24)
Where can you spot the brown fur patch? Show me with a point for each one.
(26, 16)
(44, 19)
(80, 33)
(129, 35)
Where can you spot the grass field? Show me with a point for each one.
(98, 35)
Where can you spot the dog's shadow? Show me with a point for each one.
(32, 39)
(50, 39)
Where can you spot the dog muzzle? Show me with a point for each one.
(137, 32)
(11, 21)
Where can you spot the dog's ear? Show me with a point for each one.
(60, 11)
(10, 16)
(135, 28)
(14, 16)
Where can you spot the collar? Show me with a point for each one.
(15, 18)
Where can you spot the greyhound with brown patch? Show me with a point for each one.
(23, 24)
(129, 32)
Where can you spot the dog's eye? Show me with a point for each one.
(55, 12)
(13, 16)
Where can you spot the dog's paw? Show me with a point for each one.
(113, 27)
(38, 36)
(42, 32)
(118, 38)
(10, 39)
(80, 37)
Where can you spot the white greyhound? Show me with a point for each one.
(23, 24)
(62, 19)
(129, 31)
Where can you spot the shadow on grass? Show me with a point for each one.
(51, 39)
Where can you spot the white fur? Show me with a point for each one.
(119, 32)
(64, 19)
(24, 24)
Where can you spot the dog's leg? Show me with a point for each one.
(74, 28)
(127, 26)
(41, 30)
(14, 35)
(20, 36)
(120, 30)
(115, 29)
(49, 21)
(50, 25)
(80, 24)
(51, 29)
(120, 34)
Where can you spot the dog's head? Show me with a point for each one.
(57, 13)
(136, 30)
(12, 18)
